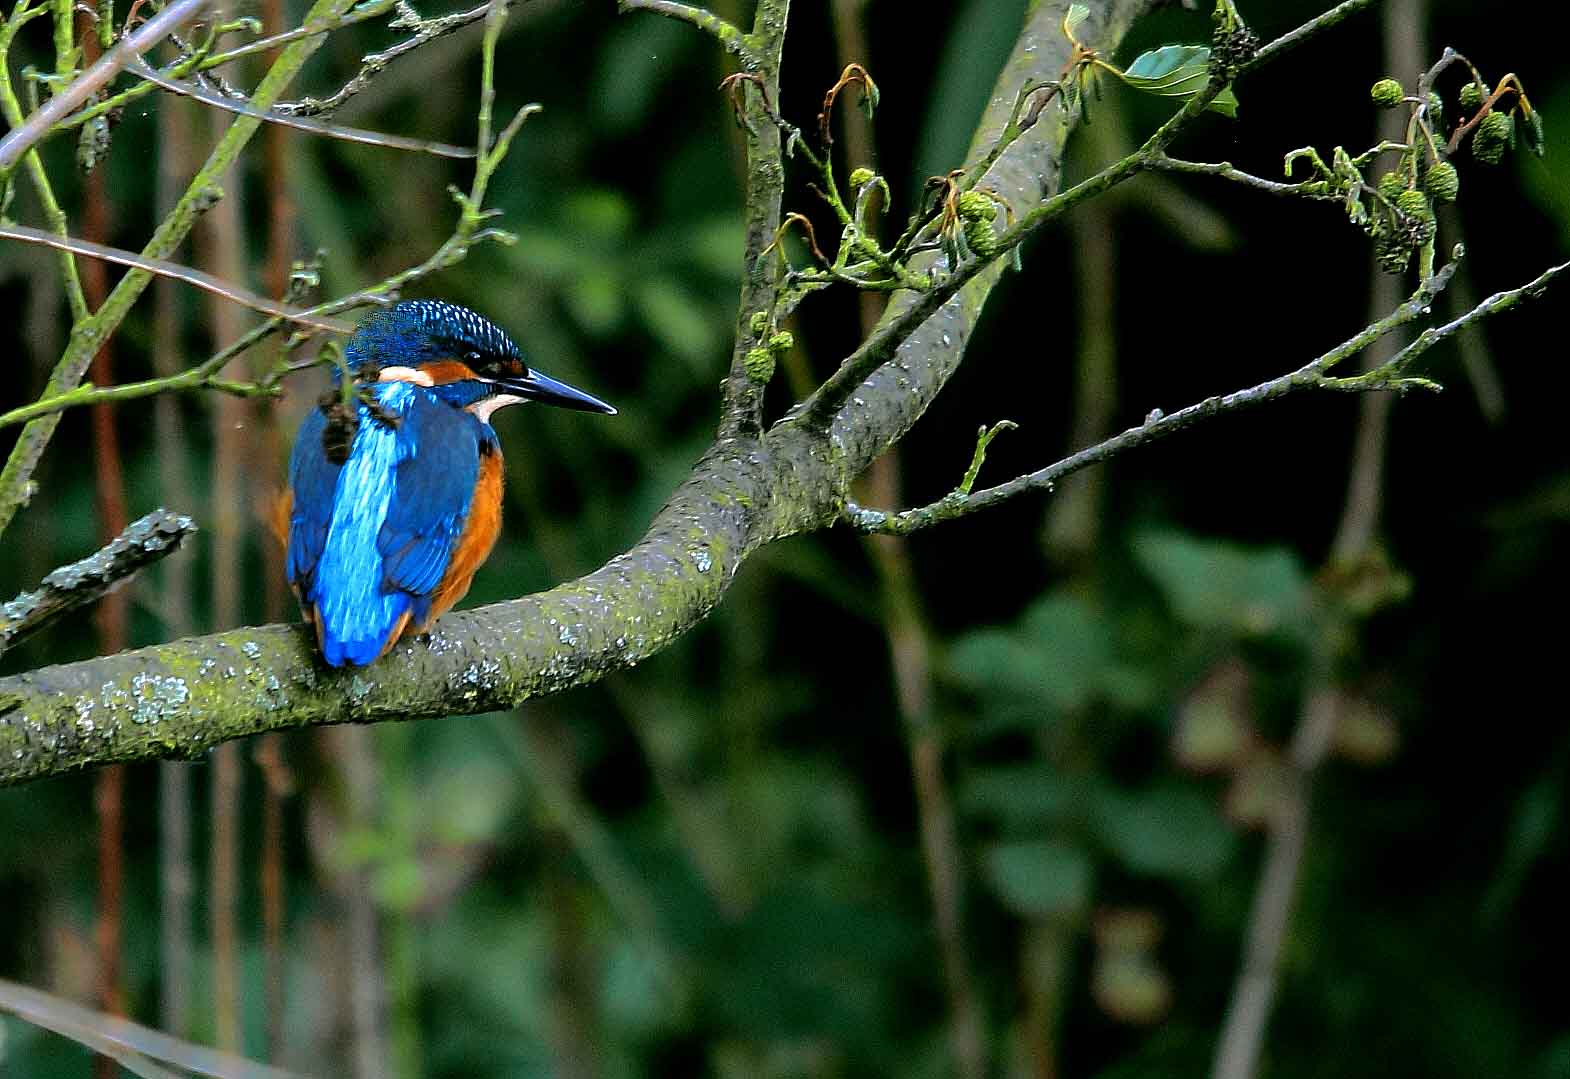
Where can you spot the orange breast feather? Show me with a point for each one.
(475, 543)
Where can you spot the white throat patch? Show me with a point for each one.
(482, 409)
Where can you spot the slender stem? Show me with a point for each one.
(11, 109)
(164, 268)
(108, 1032)
(373, 64)
(1312, 375)
(23, 135)
(1224, 170)
(725, 33)
(1312, 28)
(294, 120)
(199, 61)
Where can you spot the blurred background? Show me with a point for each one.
(999, 799)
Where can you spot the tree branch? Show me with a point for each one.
(181, 699)
(373, 64)
(741, 410)
(143, 542)
(1311, 376)
(90, 332)
(725, 33)
(21, 138)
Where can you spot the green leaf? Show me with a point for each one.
(1040, 879)
(1169, 831)
(1215, 585)
(677, 321)
(1021, 796)
(1178, 71)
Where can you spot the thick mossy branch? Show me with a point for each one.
(182, 698)
(144, 541)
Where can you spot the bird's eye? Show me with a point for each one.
(471, 358)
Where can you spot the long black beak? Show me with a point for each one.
(539, 387)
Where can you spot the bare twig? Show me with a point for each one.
(71, 97)
(373, 64)
(1313, 375)
(725, 33)
(142, 543)
(1310, 29)
(173, 270)
(111, 1034)
(1224, 170)
(297, 121)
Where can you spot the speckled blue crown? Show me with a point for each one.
(419, 331)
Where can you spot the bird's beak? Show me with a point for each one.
(539, 387)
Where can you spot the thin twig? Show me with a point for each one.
(1312, 28)
(1224, 170)
(143, 542)
(71, 97)
(1312, 375)
(725, 33)
(299, 123)
(173, 270)
(373, 64)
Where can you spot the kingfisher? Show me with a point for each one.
(395, 491)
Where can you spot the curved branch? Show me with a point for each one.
(727, 34)
(143, 542)
(183, 698)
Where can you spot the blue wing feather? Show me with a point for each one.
(370, 540)
(313, 479)
(433, 486)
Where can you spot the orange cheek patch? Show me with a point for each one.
(444, 371)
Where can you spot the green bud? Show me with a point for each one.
(1471, 96)
(1413, 204)
(1387, 93)
(1442, 181)
(1436, 108)
(982, 240)
(1493, 135)
(759, 364)
(974, 206)
(861, 177)
(1419, 217)
(1395, 259)
(1392, 184)
(782, 342)
(759, 323)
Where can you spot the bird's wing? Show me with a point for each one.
(432, 488)
(313, 480)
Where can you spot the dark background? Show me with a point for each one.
(712, 864)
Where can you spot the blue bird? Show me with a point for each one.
(395, 500)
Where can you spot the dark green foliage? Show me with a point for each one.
(712, 865)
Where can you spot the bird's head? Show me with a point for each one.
(463, 358)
